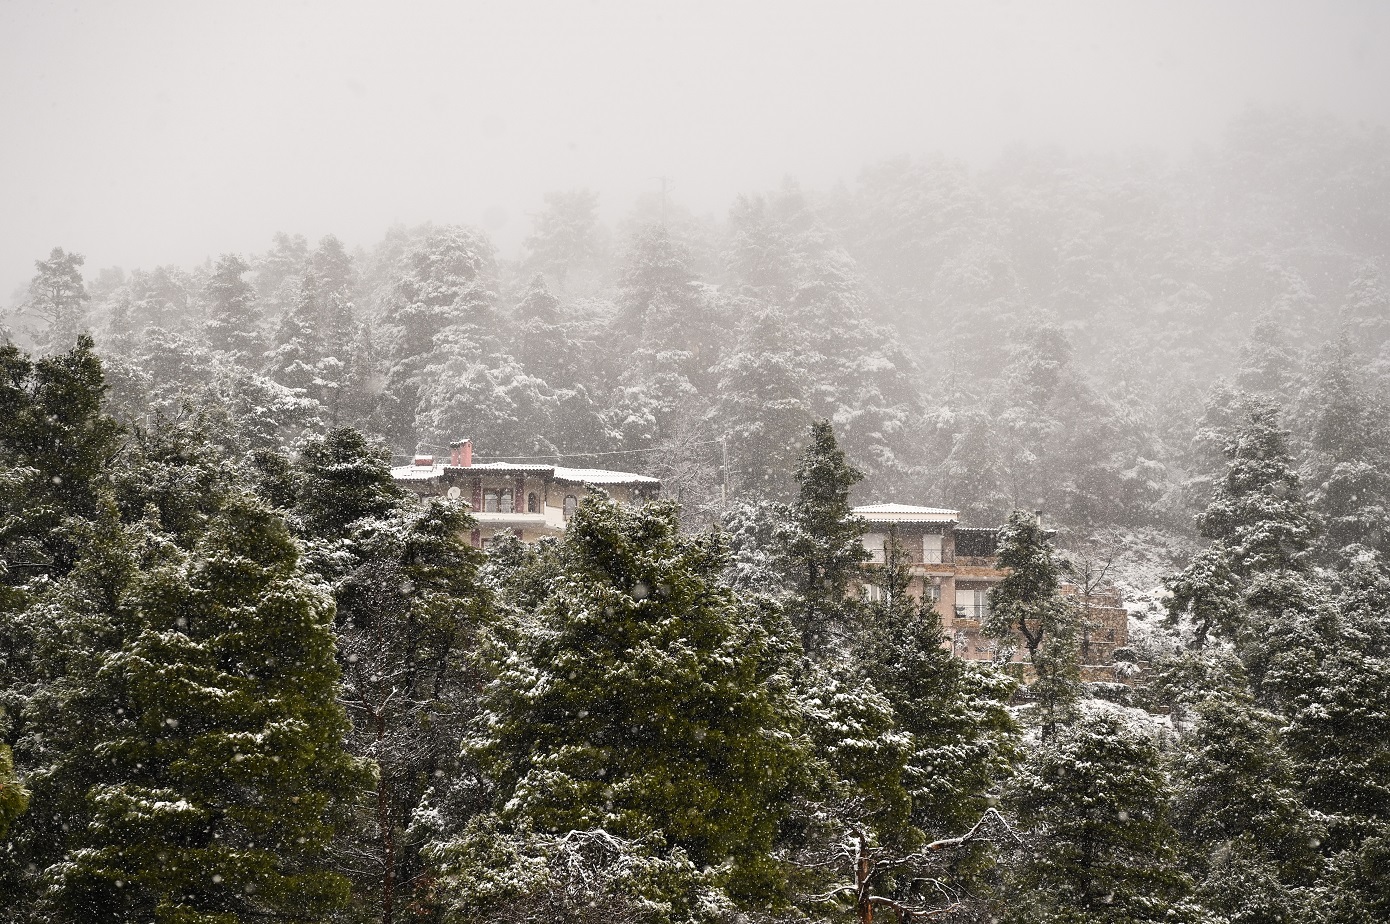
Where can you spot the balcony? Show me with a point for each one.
(977, 611)
(913, 557)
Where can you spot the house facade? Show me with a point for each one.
(528, 501)
(955, 566)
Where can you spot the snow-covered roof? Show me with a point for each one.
(559, 472)
(906, 513)
(416, 472)
(601, 476)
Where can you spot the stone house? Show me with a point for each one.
(529, 501)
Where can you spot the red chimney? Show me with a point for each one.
(424, 461)
(461, 453)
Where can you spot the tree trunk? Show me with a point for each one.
(388, 836)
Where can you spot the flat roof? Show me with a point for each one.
(558, 472)
(906, 513)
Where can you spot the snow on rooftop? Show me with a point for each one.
(601, 476)
(561, 473)
(906, 513)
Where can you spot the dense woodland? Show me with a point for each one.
(244, 676)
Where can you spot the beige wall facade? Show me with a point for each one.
(955, 568)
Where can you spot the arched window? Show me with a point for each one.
(506, 500)
(570, 503)
(533, 503)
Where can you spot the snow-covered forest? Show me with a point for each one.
(244, 675)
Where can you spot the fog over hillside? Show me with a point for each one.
(674, 463)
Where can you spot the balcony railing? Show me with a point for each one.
(931, 557)
(978, 611)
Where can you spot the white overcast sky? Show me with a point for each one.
(140, 133)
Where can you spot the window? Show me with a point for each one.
(934, 592)
(533, 504)
(873, 593)
(570, 503)
(874, 543)
(931, 548)
(506, 501)
(491, 502)
(971, 604)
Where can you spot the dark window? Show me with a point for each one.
(533, 503)
(570, 503)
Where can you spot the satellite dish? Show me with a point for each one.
(454, 493)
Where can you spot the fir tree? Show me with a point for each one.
(1099, 845)
(823, 541)
(409, 605)
(233, 319)
(643, 698)
(1257, 512)
(14, 798)
(962, 738)
(206, 777)
(1028, 604)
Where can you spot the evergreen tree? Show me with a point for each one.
(14, 798)
(1348, 441)
(643, 698)
(763, 406)
(409, 605)
(1257, 512)
(446, 280)
(233, 319)
(55, 447)
(58, 297)
(565, 235)
(1260, 530)
(1028, 604)
(962, 738)
(1099, 846)
(183, 736)
(333, 267)
(823, 541)
(1236, 791)
(1366, 313)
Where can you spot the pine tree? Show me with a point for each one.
(446, 280)
(1099, 846)
(183, 737)
(823, 541)
(233, 319)
(643, 698)
(1366, 313)
(58, 297)
(1348, 440)
(1028, 604)
(55, 445)
(409, 606)
(1260, 529)
(1257, 512)
(565, 236)
(1236, 790)
(14, 798)
(962, 738)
